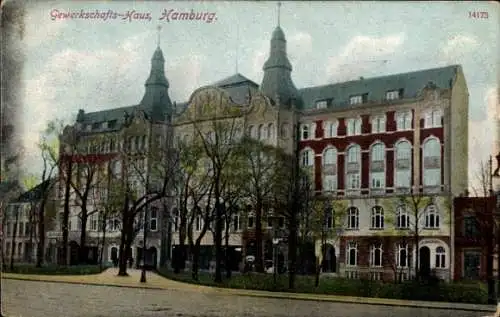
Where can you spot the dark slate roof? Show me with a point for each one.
(376, 87)
(238, 87)
(234, 80)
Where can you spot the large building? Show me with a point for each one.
(365, 142)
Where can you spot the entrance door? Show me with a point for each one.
(425, 261)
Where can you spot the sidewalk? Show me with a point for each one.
(155, 281)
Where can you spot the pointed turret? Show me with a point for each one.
(156, 99)
(277, 79)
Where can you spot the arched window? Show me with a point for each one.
(431, 217)
(352, 218)
(144, 142)
(304, 132)
(112, 146)
(352, 254)
(402, 255)
(432, 162)
(307, 158)
(270, 131)
(377, 217)
(376, 255)
(377, 166)
(353, 169)
(402, 176)
(402, 217)
(252, 131)
(137, 142)
(440, 258)
(330, 156)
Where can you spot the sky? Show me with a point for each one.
(98, 64)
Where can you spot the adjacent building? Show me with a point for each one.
(365, 142)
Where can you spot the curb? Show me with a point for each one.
(289, 296)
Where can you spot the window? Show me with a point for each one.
(472, 264)
(431, 217)
(353, 167)
(330, 156)
(404, 121)
(329, 183)
(270, 131)
(307, 158)
(153, 219)
(471, 227)
(262, 132)
(352, 218)
(440, 258)
(252, 131)
(378, 124)
(377, 218)
(354, 126)
(353, 181)
(304, 132)
(354, 100)
(402, 177)
(93, 223)
(402, 217)
(321, 104)
(236, 223)
(402, 255)
(352, 254)
(176, 219)
(284, 130)
(330, 129)
(377, 166)
(329, 218)
(251, 221)
(198, 223)
(433, 119)
(432, 163)
(392, 95)
(376, 255)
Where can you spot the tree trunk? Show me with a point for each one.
(122, 266)
(65, 229)
(103, 242)
(196, 260)
(417, 257)
(41, 235)
(292, 253)
(218, 237)
(14, 246)
(259, 258)
(83, 237)
(228, 258)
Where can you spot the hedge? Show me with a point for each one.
(457, 292)
(54, 269)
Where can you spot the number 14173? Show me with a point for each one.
(478, 14)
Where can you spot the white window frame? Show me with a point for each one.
(356, 100)
(331, 129)
(197, 223)
(252, 131)
(352, 216)
(377, 213)
(440, 258)
(378, 124)
(432, 118)
(432, 217)
(236, 223)
(270, 131)
(353, 181)
(354, 126)
(263, 132)
(153, 220)
(404, 120)
(329, 183)
(377, 180)
(330, 156)
(305, 133)
(392, 95)
(431, 176)
(402, 217)
(374, 256)
(307, 157)
(321, 104)
(400, 248)
(352, 247)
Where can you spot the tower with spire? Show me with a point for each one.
(277, 82)
(156, 99)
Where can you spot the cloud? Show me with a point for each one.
(362, 55)
(457, 48)
(185, 74)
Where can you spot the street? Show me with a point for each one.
(41, 299)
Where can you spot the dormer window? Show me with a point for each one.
(89, 127)
(112, 124)
(393, 95)
(322, 104)
(354, 100)
(96, 125)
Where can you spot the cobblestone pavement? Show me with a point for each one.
(41, 299)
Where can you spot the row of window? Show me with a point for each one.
(102, 125)
(235, 223)
(17, 252)
(402, 256)
(404, 122)
(431, 159)
(262, 131)
(405, 219)
(23, 229)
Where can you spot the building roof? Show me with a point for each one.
(238, 87)
(376, 87)
(36, 193)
